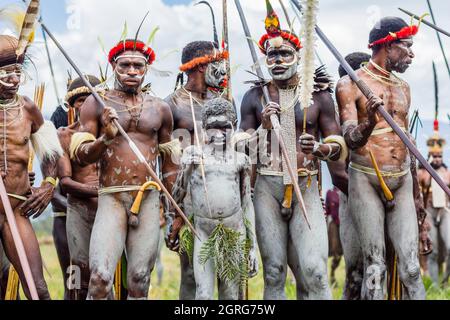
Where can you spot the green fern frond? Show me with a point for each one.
(187, 241)
(228, 252)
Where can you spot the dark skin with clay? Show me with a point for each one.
(17, 182)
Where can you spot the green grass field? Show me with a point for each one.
(168, 290)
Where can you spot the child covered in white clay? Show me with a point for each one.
(218, 179)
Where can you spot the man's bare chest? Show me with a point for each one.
(395, 99)
(141, 118)
(15, 128)
(184, 119)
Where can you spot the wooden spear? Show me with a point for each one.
(226, 42)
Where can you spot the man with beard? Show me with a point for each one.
(366, 133)
(148, 122)
(81, 186)
(437, 206)
(280, 224)
(23, 123)
(205, 67)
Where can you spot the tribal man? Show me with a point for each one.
(348, 236)
(279, 220)
(225, 220)
(122, 223)
(437, 206)
(23, 123)
(81, 186)
(376, 148)
(205, 67)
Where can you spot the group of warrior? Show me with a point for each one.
(229, 180)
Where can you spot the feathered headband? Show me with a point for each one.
(135, 45)
(275, 35)
(206, 59)
(404, 33)
(13, 50)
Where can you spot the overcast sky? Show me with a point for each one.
(78, 24)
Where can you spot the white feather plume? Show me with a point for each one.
(307, 62)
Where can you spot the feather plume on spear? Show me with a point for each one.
(307, 65)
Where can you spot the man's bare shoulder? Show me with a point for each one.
(344, 83)
(170, 99)
(323, 99)
(29, 106)
(65, 136)
(91, 106)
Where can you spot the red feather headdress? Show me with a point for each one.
(132, 45)
(283, 34)
(404, 33)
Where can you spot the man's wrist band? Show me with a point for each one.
(52, 181)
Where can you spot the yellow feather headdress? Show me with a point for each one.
(22, 24)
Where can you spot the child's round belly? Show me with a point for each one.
(223, 201)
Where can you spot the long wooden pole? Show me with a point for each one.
(431, 25)
(18, 241)
(226, 41)
(368, 94)
(439, 38)
(124, 134)
(274, 119)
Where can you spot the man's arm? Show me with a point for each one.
(249, 120)
(356, 134)
(179, 191)
(59, 201)
(70, 186)
(48, 150)
(249, 215)
(333, 147)
(169, 149)
(89, 145)
(339, 175)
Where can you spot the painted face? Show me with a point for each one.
(216, 74)
(282, 62)
(436, 160)
(130, 69)
(11, 78)
(400, 55)
(219, 131)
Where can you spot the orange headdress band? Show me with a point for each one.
(204, 60)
